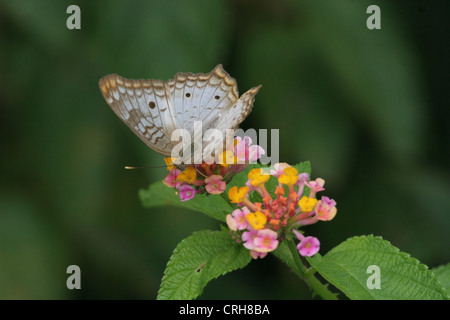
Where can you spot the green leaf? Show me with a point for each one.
(402, 277)
(198, 259)
(303, 167)
(443, 275)
(158, 194)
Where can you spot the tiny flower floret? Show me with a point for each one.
(289, 176)
(188, 175)
(307, 204)
(238, 219)
(248, 237)
(237, 195)
(186, 192)
(171, 179)
(278, 169)
(324, 211)
(215, 185)
(309, 246)
(257, 177)
(328, 201)
(245, 152)
(265, 240)
(256, 219)
(316, 185)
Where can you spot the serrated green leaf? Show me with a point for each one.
(159, 194)
(443, 275)
(402, 277)
(203, 256)
(303, 167)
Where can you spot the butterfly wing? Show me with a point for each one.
(213, 99)
(232, 116)
(236, 113)
(153, 109)
(201, 97)
(145, 106)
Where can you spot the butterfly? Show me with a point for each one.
(155, 109)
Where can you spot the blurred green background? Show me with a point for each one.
(368, 108)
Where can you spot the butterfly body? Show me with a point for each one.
(154, 109)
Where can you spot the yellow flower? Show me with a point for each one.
(256, 219)
(169, 163)
(227, 158)
(289, 176)
(257, 177)
(237, 196)
(188, 175)
(307, 204)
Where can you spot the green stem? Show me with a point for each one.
(308, 276)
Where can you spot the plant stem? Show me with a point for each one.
(305, 274)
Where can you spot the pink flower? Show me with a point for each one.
(239, 216)
(265, 241)
(171, 179)
(278, 169)
(215, 185)
(329, 202)
(308, 246)
(236, 220)
(248, 237)
(186, 192)
(316, 186)
(255, 152)
(302, 180)
(324, 209)
(245, 152)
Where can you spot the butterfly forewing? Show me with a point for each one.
(145, 107)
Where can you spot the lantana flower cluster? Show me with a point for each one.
(212, 178)
(261, 225)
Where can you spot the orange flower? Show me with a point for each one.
(237, 196)
(257, 177)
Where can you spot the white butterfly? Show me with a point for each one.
(154, 109)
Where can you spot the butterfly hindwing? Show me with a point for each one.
(238, 112)
(230, 118)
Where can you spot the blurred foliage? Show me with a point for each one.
(368, 108)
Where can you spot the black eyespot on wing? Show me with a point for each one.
(217, 97)
(152, 105)
(188, 95)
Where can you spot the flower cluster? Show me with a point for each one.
(212, 178)
(262, 224)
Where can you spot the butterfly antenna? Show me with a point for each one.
(201, 173)
(146, 167)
